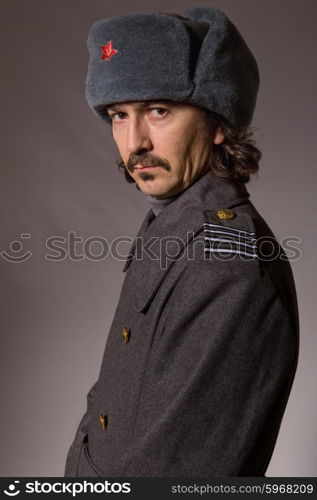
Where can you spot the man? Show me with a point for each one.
(203, 347)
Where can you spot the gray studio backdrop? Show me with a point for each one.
(59, 178)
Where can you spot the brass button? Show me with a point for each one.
(125, 335)
(225, 214)
(103, 421)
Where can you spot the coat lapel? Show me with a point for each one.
(147, 221)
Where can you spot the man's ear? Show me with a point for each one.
(219, 136)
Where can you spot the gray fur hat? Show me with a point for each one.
(200, 59)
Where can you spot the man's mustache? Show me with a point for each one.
(146, 160)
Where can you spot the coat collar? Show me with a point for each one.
(162, 239)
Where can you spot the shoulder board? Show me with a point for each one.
(227, 242)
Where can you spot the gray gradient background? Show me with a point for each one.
(58, 174)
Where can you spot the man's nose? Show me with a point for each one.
(138, 136)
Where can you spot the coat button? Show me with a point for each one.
(225, 214)
(103, 421)
(125, 335)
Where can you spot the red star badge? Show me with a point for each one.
(108, 51)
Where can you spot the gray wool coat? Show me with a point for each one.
(202, 350)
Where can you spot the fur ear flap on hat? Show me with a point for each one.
(226, 76)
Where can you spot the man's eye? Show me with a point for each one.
(120, 115)
(159, 111)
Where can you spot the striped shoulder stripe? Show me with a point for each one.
(226, 228)
(242, 235)
(224, 240)
(227, 252)
(227, 241)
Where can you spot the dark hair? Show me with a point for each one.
(236, 158)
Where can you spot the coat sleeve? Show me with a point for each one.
(74, 451)
(219, 376)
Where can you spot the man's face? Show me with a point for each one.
(164, 145)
